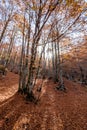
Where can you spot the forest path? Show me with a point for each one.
(56, 110)
(8, 87)
(51, 116)
(47, 110)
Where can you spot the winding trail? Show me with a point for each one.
(55, 110)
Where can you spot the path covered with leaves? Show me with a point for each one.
(55, 111)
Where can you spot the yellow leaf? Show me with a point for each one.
(69, 2)
(34, 8)
(51, 7)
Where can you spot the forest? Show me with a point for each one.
(43, 64)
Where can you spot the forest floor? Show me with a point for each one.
(56, 110)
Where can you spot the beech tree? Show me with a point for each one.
(64, 27)
(39, 13)
(41, 31)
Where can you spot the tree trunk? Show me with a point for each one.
(4, 29)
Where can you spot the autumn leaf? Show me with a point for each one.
(34, 8)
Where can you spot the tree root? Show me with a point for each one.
(30, 97)
(61, 87)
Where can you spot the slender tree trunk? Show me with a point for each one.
(56, 63)
(61, 82)
(21, 60)
(25, 74)
(53, 66)
(14, 62)
(10, 48)
(4, 29)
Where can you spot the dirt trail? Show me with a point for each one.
(8, 87)
(55, 111)
(55, 122)
(47, 112)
